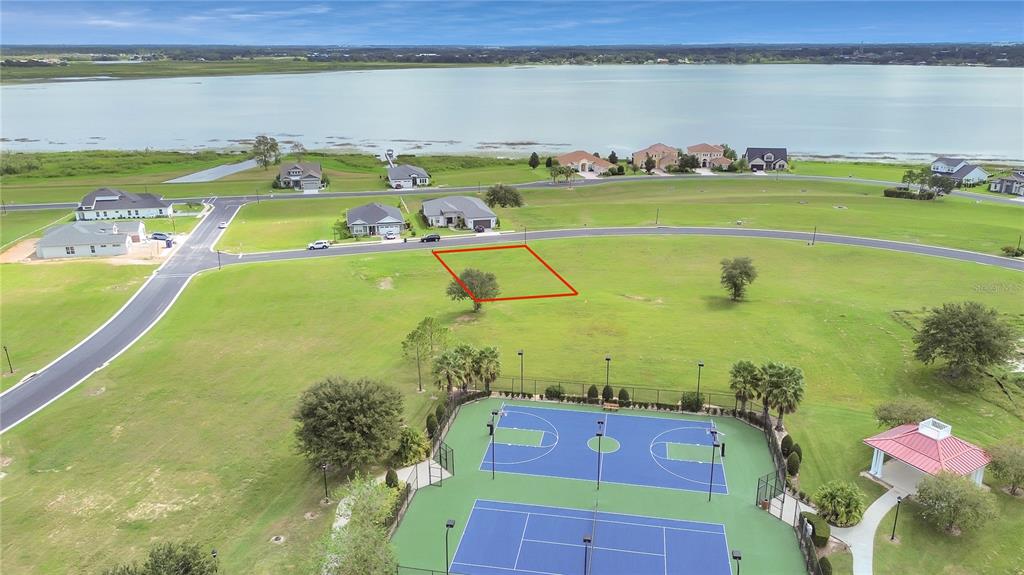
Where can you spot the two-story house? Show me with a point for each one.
(304, 176)
(959, 170)
(1012, 184)
(663, 156)
(709, 155)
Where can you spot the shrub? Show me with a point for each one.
(691, 401)
(1008, 463)
(624, 397)
(825, 566)
(607, 393)
(822, 530)
(954, 503)
(554, 392)
(908, 194)
(902, 411)
(793, 464)
(412, 447)
(798, 450)
(1012, 251)
(787, 445)
(431, 425)
(441, 413)
(391, 479)
(592, 393)
(840, 503)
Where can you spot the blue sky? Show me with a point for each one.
(520, 22)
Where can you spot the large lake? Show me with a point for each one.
(857, 111)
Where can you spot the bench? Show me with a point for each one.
(610, 406)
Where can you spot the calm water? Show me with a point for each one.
(875, 111)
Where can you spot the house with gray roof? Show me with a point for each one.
(113, 204)
(90, 239)
(458, 212)
(1012, 184)
(407, 176)
(766, 159)
(374, 220)
(960, 170)
(306, 177)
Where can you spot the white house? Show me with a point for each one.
(374, 220)
(407, 176)
(110, 204)
(90, 239)
(960, 170)
(304, 176)
(766, 159)
(1012, 184)
(458, 211)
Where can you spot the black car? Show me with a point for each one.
(479, 229)
(431, 238)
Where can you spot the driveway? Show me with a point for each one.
(214, 173)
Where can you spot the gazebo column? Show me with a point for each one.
(876, 463)
(978, 475)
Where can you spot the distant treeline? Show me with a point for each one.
(917, 54)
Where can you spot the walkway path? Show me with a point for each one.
(861, 537)
(417, 476)
(214, 173)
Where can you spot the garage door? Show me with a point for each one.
(485, 223)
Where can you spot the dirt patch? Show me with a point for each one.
(643, 298)
(20, 251)
(96, 391)
(311, 515)
(386, 283)
(1006, 490)
(5, 461)
(466, 318)
(117, 431)
(149, 510)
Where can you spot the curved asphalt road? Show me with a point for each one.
(153, 299)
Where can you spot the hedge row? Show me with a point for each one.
(822, 530)
(908, 194)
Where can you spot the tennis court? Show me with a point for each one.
(636, 450)
(516, 539)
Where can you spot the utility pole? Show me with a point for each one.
(9, 366)
(657, 216)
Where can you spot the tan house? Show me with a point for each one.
(664, 156)
(584, 162)
(709, 155)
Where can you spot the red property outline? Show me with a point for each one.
(572, 291)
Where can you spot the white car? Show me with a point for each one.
(390, 236)
(319, 245)
(222, 225)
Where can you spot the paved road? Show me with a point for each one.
(546, 184)
(196, 255)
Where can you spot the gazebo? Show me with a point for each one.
(929, 447)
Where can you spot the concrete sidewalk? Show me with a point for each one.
(861, 537)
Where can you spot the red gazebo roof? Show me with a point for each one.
(930, 447)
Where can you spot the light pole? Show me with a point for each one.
(714, 449)
(736, 556)
(895, 519)
(607, 369)
(218, 259)
(600, 434)
(327, 498)
(587, 541)
(8, 354)
(447, 527)
(700, 366)
(490, 430)
(522, 370)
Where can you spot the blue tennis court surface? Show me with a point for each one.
(648, 452)
(515, 539)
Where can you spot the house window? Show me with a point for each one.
(104, 213)
(136, 212)
(769, 157)
(92, 249)
(69, 250)
(160, 211)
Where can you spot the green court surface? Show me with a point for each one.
(768, 545)
(688, 452)
(513, 436)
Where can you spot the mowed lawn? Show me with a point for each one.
(17, 225)
(519, 272)
(189, 433)
(46, 309)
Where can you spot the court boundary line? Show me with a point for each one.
(483, 460)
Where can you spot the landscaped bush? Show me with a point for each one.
(954, 503)
(793, 464)
(840, 503)
(391, 479)
(607, 393)
(1012, 251)
(798, 450)
(441, 412)
(554, 392)
(593, 394)
(787, 445)
(822, 530)
(691, 401)
(412, 447)
(624, 397)
(431, 425)
(908, 194)
(825, 566)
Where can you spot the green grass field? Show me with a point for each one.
(767, 543)
(48, 308)
(865, 170)
(188, 433)
(518, 272)
(15, 226)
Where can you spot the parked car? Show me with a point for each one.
(479, 229)
(319, 245)
(160, 236)
(390, 236)
(222, 225)
(431, 238)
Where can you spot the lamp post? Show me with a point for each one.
(736, 556)
(10, 367)
(895, 519)
(607, 369)
(587, 541)
(327, 498)
(522, 370)
(218, 259)
(600, 434)
(447, 527)
(700, 366)
(490, 429)
(714, 449)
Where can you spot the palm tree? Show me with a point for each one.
(465, 356)
(487, 366)
(448, 370)
(783, 389)
(744, 381)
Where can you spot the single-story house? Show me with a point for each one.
(90, 239)
(458, 211)
(925, 448)
(709, 155)
(304, 176)
(407, 176)
(584, 162)
(374, 220)
(1012, 184)
(960, 170)
(663, 156)
(766, 159)
(111, 204)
